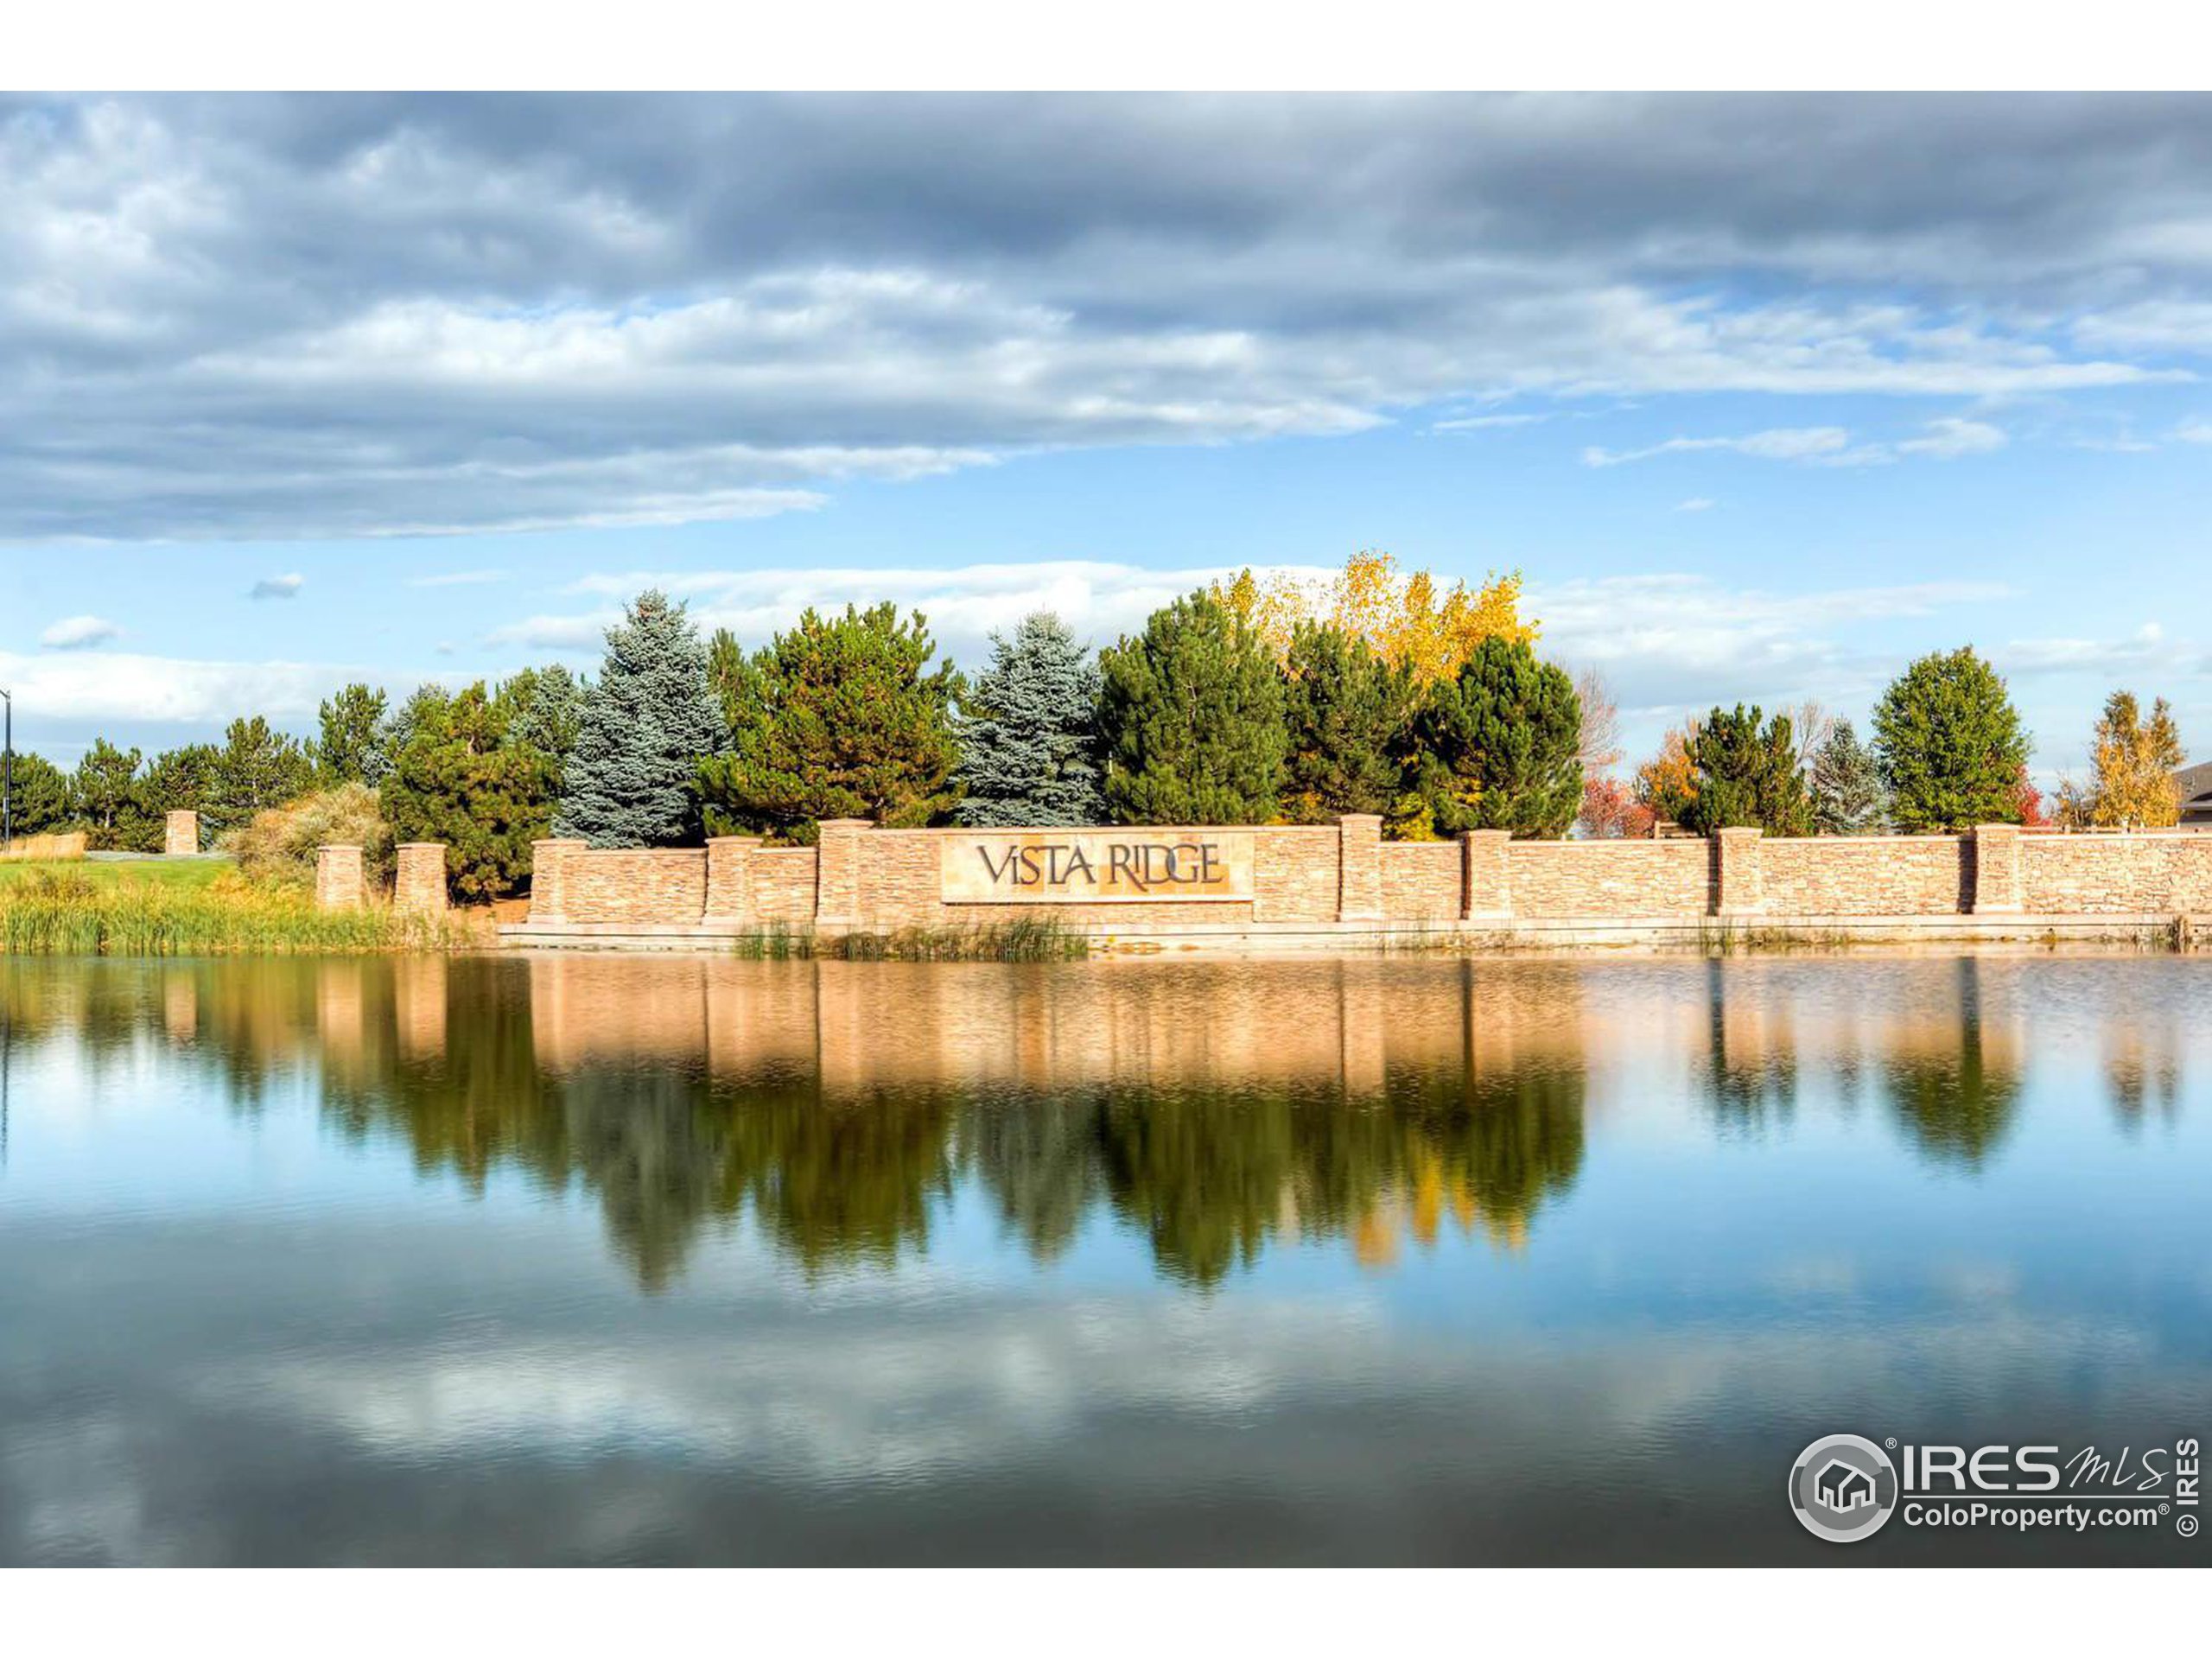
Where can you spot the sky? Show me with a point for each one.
(1762, 396)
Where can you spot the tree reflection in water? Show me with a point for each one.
(1217, 1110)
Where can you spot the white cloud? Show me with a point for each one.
(2194, 431)
(1478, 423)
(1695, 504)
(1951, 437)
(286, 587)
(1776, 443)
(2146, 645)
(79, 634)
(1825, 446)
(128, 687)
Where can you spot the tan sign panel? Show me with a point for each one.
(1090, 867)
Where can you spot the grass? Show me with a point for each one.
(185, 910)
(1040, 940)
(187, 874)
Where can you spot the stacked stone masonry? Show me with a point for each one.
(1345, 875)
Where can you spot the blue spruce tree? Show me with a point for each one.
(1029, 732)
(647, 719)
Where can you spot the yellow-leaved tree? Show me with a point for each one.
(2135, 759)
(1408, 620)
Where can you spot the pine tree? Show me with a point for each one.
(1348, 710)
(105, 795)
(1950, 745)
(647, 721)
(38, 796)
(1498, 745)
(1847, 798)
(461, 780)
(1747, 775)
(257, 768)
(838, 718)
(1029, 732)
(1191, 719)
(544, 709)
(351, 749)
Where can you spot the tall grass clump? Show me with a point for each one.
(58, 913)
(278, 847)
(1042, 939)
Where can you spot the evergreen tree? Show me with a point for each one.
(1191, 719)
(105, 796)
(425, 708)
(257, 768)
(461, 781)
(1747, 775)
(1950, 745)
(38, 796)
(543, 709)
(1347, 709)
(1029, 732)
(840, 718)
(179, 780)
(1847, 798)
(351, 748)
(1497, 744)
(647, 721)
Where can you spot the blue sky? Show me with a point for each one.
(1761, 402)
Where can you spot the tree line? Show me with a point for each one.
(1242, 702)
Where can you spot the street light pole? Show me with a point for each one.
(8, 777)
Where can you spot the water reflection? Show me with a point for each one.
(1390, 1259)
(1212, 1111)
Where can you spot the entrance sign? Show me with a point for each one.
(1090, 867)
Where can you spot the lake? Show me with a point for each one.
(597, 1259)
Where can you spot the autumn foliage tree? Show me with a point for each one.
(2135, 759)
(1408, 620)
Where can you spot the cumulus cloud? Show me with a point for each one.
(530, 319)
(286, 587)
(79, 634)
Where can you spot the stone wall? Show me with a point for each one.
(1868, 875)
(1345, 877)
(180, 834)
(1668, 880)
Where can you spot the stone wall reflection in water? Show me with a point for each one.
(835, 1105)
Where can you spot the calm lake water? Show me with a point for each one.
(595, 1260)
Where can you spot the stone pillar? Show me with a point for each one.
(1359, 867)
(730, 878)
(337, 881)
(182, 835)
(546, 894)
(419, 992)
(419, 887)
(1485, 887)
(1997, 885)
(838, 872)
(1742, 892)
